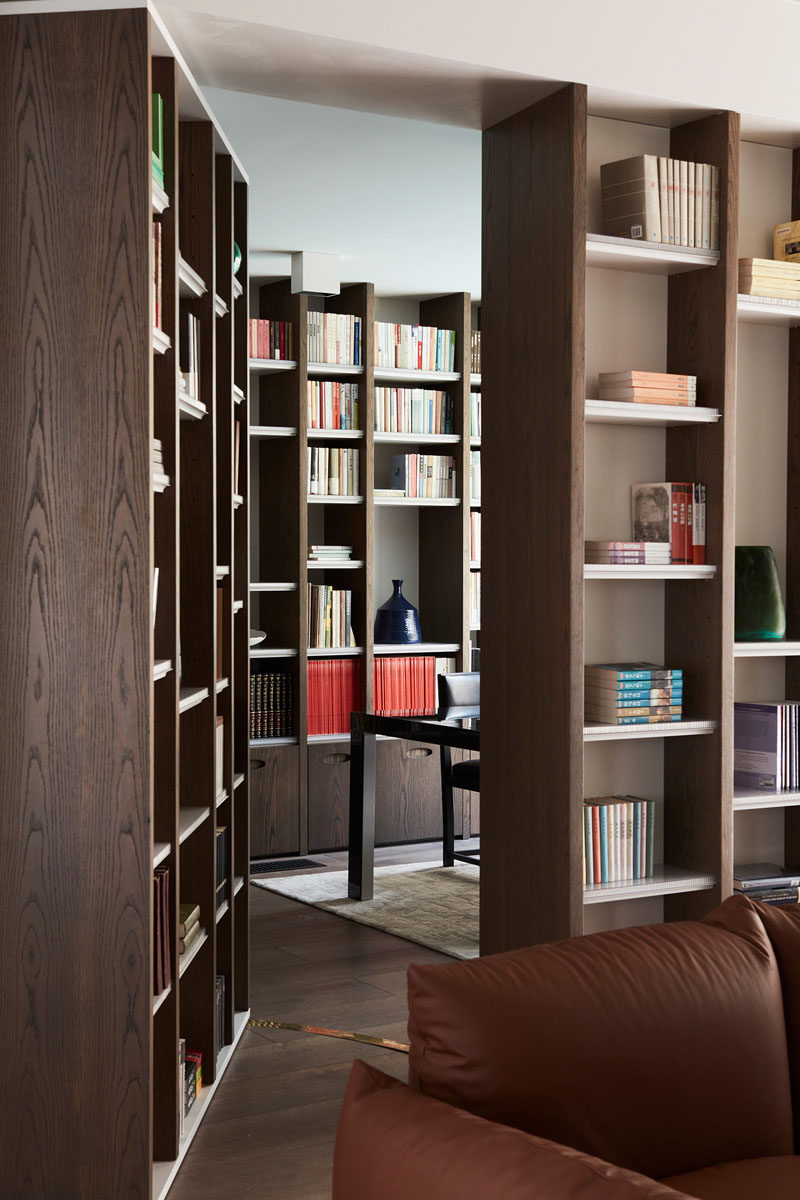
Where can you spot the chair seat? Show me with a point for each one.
(467, 774)
(748, 1179)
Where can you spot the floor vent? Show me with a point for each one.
(283, 864)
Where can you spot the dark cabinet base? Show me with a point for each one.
(274, 800)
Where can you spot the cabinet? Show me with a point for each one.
(114, 763)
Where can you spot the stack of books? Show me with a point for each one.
(475, 537)
(767, 882)
(188, 925)
(334, 692)
(672, 515)
(334, 338)
(332, 470)
(475, 414)
(475, 352)
(271, 704)
(189, 372)
(332, 405)
(765, 277)
(405, 686)
(648, 387)
(162, 965)
(635, 693)
(157, 269)
(765, 745)
(329, 617)
(623, 553)
(431, 476)
(329, 553)
(475, 475)
(271, 339)
(618, 839)
(664, 200)
(413, 410)
(414, 347)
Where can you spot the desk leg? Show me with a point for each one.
(361, 857)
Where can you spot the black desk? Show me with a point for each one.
(364, 728)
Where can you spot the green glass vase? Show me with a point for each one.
(759, 615)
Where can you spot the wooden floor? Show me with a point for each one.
(269, 1130)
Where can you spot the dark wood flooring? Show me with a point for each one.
(269, 1130)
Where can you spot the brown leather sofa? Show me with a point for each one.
(661, 1061)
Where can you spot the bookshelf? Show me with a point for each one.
(300, 783)
(122, 693)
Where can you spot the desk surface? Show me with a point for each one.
(464, 734)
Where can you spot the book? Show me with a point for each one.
(191, 936)
(658, 379)
(629, 194)
(786, 242)
(775, 895)
(752, 876)
(188, 915)
(664, 513)
(628, 672)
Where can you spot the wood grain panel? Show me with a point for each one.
(274, 812)
(328, 795)
(408, 793)
(75, 606)
(698, 635)
(532, 346)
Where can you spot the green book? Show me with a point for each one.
(158, 138)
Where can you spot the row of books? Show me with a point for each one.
(334, 338)
(219, 996)
(766, 745)
(271, 339)
(475, 537)
(475, 414)
(672, 514)
(190, 1079)
(414, 347)
(627, 553)
(332, 405)
(475, 351)
(405, 685)
(618, 839)
(332, 470)
(475, 600)
(162, 963)
(188, 925)
(474, 474)
(328, 553)
(189, 354)
(222, 865)
(432, 476)
(638, 693)
(158, 312)
(768, 882)
(329, 612)
(765, 277)
(648, 387)
(659, 199)
(334, 691)
(271, 704)
(413, 410)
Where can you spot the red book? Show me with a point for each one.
(688, 489)
(675, 523)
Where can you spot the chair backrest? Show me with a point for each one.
(459, 695)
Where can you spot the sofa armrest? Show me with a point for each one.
(395, 1143)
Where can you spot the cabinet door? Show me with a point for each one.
(328, 796)
(408, 793)
(470, 801)
(274, 800)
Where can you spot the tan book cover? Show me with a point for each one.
(768, 266)
(786, 241)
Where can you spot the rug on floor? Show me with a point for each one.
(435, 907)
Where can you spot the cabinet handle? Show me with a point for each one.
(336, 757)
(257, 764)
(418, 752)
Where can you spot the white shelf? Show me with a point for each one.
(776, 649)
(412, 377)
(474, 503)
(160, 852)
(335, 499)
(220, 307)
(222, 572)
(335, 651)
(619, 412)
(257, 636)
(271, 366)
(272, 652)
(220, 799)
(161, 667)
(190, 409)
(190, 819)
(190, 285)
(223, 908)
(273, 587)
(338, 564)
(660, 729)
(665, 882)
(749, 798)
(191, 696)
(238, 884)
(317, 738)
(158, 197)
(160, 482)
(647, 571)
(347, 435)
(415, 502)
(273, 741)
(418, 648)
(475, 379)
(238, 500)
(652, 258)
(418, 439)
(221, 684)
(161, 343)
(164, 1172)
(238, 605)
(238, 395)
(188, 957)
(237, 779)
(160, 998)
(238, 290)
(272, 431)
(333, 370)
(768, 310)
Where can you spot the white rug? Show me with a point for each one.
(432, 906)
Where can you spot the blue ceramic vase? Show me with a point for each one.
(397, 621)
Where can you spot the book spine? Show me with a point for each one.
(715, 208)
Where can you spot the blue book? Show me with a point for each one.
(613, 674)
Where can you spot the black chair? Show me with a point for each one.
(459, 697)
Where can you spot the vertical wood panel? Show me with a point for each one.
(532, 344)
(75, 613)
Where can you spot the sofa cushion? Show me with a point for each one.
(752, 1179)
(395, 1143)
(661, 1049)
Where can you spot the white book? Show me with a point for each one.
(714, 208)
(663, 193)
(684, 202)
(671, 200)
(698, 205)
(690, 226)
(676, 200)
(706, 206)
